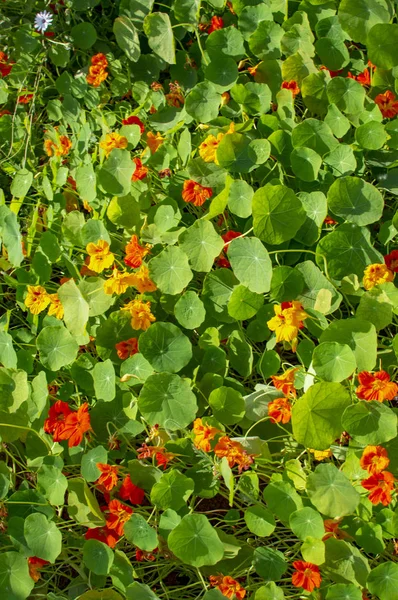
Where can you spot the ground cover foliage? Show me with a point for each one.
(198, 332)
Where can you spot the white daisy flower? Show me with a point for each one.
(43, 21)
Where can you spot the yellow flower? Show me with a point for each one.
(321, 454)
(55, 309)
(37, 299)
(289, 317)
(118, 282)
(100, 256)
(154, 141)
(141, 316)
(143, 282)
(113, 140)
(376, 274)
(208, 148)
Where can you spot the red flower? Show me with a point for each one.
(391, 261)
(131, 492)
(35, 564)
(141, 555)
(374, 459)
(140, 171)
(330, 221)
(55, 422)
(292, 86)
(127, 348)
(103, 534)
(215, 23)
(135, 253)
(119, 514)
(4, 112)
(49, 34)
(108, 479)
(229, 587)
(5, 65)
(364, 78)
(24, 99)
(76, 425)
(134, 121)
(306, 575)
(280, 410)
(332, 73)
(376, 386)
(388, 104)
(222, 261)
(195, 193)
(380, 487)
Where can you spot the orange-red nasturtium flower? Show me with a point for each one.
(103, 534)
(113, 140)
(376, 386)
(35, 564)
(140, 170)
(109, 476)
(133, 120)
(118, 516)
(100, 256)
(329, 221)
(141, 555)
(234, 453)
(376, 274)
(141, 316)
(391, 261)
(127, 348)
(195, 193)
(154, 141)
(332, 530)
(280, 410)
(135, 252)
(76, 425)
(61, 149)
(215, 23)
(132, 493)
(380, 487)
(229, 587)
(142, 282)
(306, 575)
(55, 422)
(97, 71)
(285, 382)
(292, 86)
(5, 65)
(203, 435)
(388, 104)
(24, 99)
(222, 261)
(374, 459)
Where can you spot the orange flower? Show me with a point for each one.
(376, 274)
(109, 477)
(195, 193)
(388, 104)
(306, 575)
(280, 410)
(127, 348)
(4, 112)
(141, 555)
(132, 493)
(113, 140)
(55, 422)
(380, 487)
(76, 425)
(289, 317)
(135, 253)
(363, 78)
(102, 534)
(99, 60)
(203, 435)
(374, 459)
(225, 98)
(229, 587)
(175, 96)
(376, 386)
(215, 23)
(391, 261)
(253, 70)
(55, 309)
(141, 316)
(24, 99)
(208, 148)
(52, 149)
(162, 457)
(292, 86)
(285, 382)
(118, 282)
(35, 564)
(331, 73)
(154, 141)
(332, 530)
(234, 453)
(329, 221)
(142, 282)
(320, 455)
(100, 256)
(97, 72)
(134, 121)
(37, 299)
(140, 171)
(5, 65)
(119, 514)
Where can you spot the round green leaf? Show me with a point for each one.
(157, 28)
(382, 45)
(265, 41)
(52, 483)
(171, 491)
(165, 347)
(227, 404)
(333, 361)
(316, 416)
(270, 564)
(315, 135)
(347, 94)
(355, 200)
(250, 263)
(370, 423)
(222, 72)
(307, 522)
(202, 102)
(286, 284)
(277, 214)
(383, 581)
(342, 591)
(357, 17)
(341, 160)
(15, 581)
(116, 172)
(84, 35)
(331, 492)
(127, 37)
(244, 304)
(98, 557)
(305, 163)
(56, 347)
(270, 591)
(21, 183)
(313, 551)
(170, 270)
(201, 244)
(259, 520)
(240, 197)
(89, 469)
(195, 541)
(167, 400)
(333, 53)
(139, 533)
(225, 42)
(43, 537)
(371, 135)
(138, 367)
(269, 363)
(189, 310)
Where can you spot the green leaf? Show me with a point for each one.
(189, 310)
(259, 520)
(86, 180)
(217, 290)
(195, 541)
(82, 505)
(305, 163)
(227, 405)
(243, 303)
(338, 123)
(227, 41)
(371, 135)
(56, 347)
(268, 364)
(251, 263)
(355, 200)
(11, 236)
(165, 347)
(52, 484)
(240, 197)
(331, 492)
(383, 581)
(357, 17)
(277, 214)
(167, 400)
(345, 563)
(270, 564)
(84, 35)
(138, 367)
(139, 533)
(97, 557)
(265, 42)
(89, 469)
(157, 28)
(201, 244)
(347, 94)
(359, 335)
(333, 53)
(333, 361)
(115, 174)
(76, 311)
(21, 183)
(313, 91)
(307, 522)
(15, 581)
(202, 102)
(43, 537)
(270, 591)
(240, 353)
(316, 416)
(286, 284)
(127, 37)
(382, 42)
(8, 356)
(282, 499)
(315, 135)
(313, 551)
(172, 491)
(222, 72)
(297, 67)
(170, 270)
(341, 160)
(342, 591)
(375, 307)
(104, 380)
(370, 423)
(140, 591)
